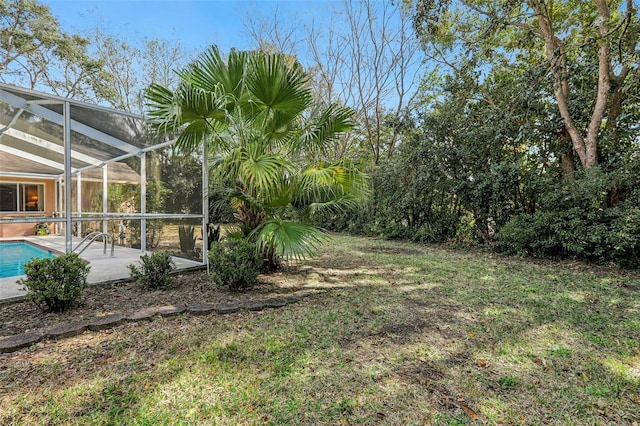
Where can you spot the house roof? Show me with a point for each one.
(32, 134)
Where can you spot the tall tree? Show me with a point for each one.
(36, 53)
(133, 68)
(120, 60)
(598, 35)
(27, 26)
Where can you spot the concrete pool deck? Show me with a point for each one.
(104, 268)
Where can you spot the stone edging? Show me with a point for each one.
(74, 328)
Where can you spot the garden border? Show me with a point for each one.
(104, 322)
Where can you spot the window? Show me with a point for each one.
(21, 197)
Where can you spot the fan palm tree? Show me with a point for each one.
(268, 140)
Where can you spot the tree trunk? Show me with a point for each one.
(585, 146)
(618, 81)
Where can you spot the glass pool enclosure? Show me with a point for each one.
(78, 168)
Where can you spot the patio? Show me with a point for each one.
(104, 268)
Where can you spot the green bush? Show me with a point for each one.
(154, 271)
(54, 284)
(575, 222)
(236, 266)
(623, 240)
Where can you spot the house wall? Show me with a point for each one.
(20, 229)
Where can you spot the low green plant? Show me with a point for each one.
(154, 270)
(508, 382)
(187, 239)
(54, 284)
(561, 352)
(237, 265)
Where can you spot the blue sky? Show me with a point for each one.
(196, 23)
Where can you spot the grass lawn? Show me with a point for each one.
(404, 334)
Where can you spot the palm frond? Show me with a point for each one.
(324, 183)
(211, 73)
(278, 127)
(163, 111)
(197, 103)
(279, 86)
(287, 239)
(335, 206)
(206, 71)
(193, 111)
(260, 172)
(324, 128)
(192, 136)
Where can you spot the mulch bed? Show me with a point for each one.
(128, 297)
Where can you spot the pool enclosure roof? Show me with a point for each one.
(32, 134)
(51, 137)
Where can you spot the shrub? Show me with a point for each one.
(576, 222)
(624, 239)
(154, 270)
(236, 266)
(54, 284)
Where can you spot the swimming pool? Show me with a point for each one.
(14, 254)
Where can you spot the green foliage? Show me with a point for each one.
(577, 221)
(353, 220)
(489, 152)
(623, 240)
(478, 38)
(182, 177)
(154, 270)
(268, 142)
(508, 382)
(290, 240)
(187, 239)
(34, 51)
(236, 266)
(487, 158)
(54, 284)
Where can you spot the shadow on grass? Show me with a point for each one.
(401, 336)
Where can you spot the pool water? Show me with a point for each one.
(13, 256)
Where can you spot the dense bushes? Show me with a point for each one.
(604, 235)
(237, 265)
(623, 239)
(594, 215)
(404, 206)
(578, 221)
(55, 283)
